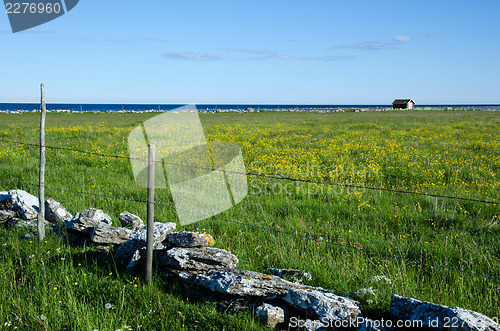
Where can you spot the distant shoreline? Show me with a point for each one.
(18, 108)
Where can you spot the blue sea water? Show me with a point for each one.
(214, 107)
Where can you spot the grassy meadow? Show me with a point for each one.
(455, 153)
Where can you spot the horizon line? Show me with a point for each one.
(256, 104)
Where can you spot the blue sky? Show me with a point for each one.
(258, 52)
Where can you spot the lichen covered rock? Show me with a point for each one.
(322, 305)
(104, 234)
(440, 317)
(190, 239)
(270, 315)
(55, 212)
(196, 258)
(243, 282)
(87, 219)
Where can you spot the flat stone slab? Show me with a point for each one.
(200, 259)
(190, 239)
(243, 282)
(440, 317)
(104, 234)
(160, 231)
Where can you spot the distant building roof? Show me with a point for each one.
(402, 101)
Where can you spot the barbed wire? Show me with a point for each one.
(278, 177)
(306, 237)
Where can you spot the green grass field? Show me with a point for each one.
(453, 153)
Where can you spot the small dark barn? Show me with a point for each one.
(403, 104)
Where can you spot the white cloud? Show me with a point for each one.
(266, 55)
(402, 38)
(247, 50)
(303, 58)
(190, 56)
(89, 39)
(369, 45)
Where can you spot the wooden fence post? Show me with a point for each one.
(41, 184)
(150, 213)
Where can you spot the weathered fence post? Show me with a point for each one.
(150, 213)
(41, 184)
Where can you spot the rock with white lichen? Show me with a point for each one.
(243, 282)
(440, 317)
(130, 250)
(160, 232)
(87, 219)
(190, 258)
(322, 305)
(190, 239)
(270, 315)
(55, 212)
(104, 234)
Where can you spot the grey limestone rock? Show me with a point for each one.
(87, 219)
(128, 249)
(243, 282)
(134, 261)
(322, 305)
(160, 232)
(190, 239)
(129, 220)
(200, 259)
(104, 234)
(270, 315)
(440, 317)
(137, 240)
(55, 212)
(24, 203)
